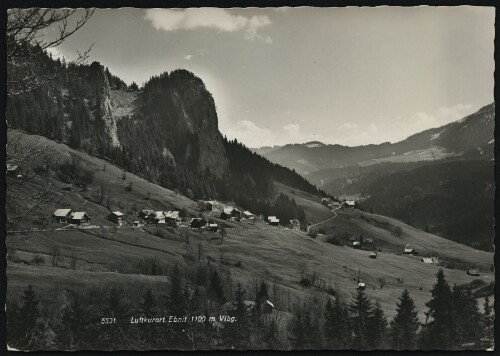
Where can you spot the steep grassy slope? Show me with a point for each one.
(107, 256)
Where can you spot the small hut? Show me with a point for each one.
(267, 307)
(473, 272)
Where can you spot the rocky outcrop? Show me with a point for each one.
(197, 116)
(103, 109)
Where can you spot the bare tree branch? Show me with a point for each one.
(27, 40)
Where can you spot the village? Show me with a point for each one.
(211, 210)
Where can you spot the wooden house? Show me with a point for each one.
(197, 223)
(172, 217)
(356, 244)
(145, 214)
(158, 217)
(67, 187)
(349, 204)
(14, 171)
(273, 220)
(410, 251)
(230, 212)
(116, 217)
(79, 217)
(248, 215)
(213, 227)
(62, 215)
(226, 213)
(361, 286)
(373, 254)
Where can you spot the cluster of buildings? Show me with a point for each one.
(334, 204)
(171, 218)
(232, 213)
(71, 217)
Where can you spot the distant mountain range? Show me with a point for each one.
(470, 137)
(440, 179)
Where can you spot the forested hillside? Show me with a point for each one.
(441, 199)
(170, 136)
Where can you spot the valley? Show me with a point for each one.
(103, 254)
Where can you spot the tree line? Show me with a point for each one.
(453, 322)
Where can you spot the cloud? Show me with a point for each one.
(444, 115)
(188, 57)
(292, 129)
(255, 23)
(212, 18)
(250, 134)
(348, 126)
(254, 136)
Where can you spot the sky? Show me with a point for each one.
(350, 76)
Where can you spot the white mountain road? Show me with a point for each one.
(325, 221)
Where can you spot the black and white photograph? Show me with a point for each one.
(259, 178)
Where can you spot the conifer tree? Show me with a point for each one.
(486, 307)
(271, 337)
(77, 321)
(438, 333)
(361, 309)
(466, 319)
(177, 308)
(216, 289)
(336, 329)
(26, 333)
(405, 325)
(238, 334)
(297, 329)
(176, 299)
(377, 327)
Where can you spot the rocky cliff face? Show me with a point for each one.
(106, 117)
(177, 115)
(197, 116)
